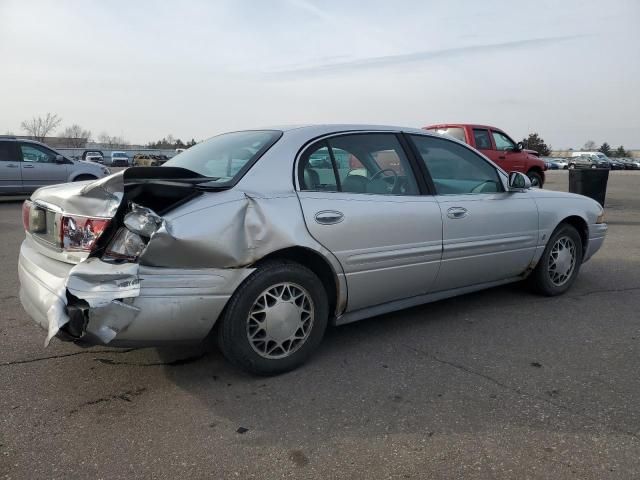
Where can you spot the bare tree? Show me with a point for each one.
(590, 145)
(112, 142)
(39, 127)
(76, 135)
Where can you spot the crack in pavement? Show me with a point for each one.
(126, 396)
(522, 393)
(172, 363)
(63, 355)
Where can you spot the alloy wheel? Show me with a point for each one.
(280, 320)
(562, 261)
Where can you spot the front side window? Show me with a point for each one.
(456, 169)
(222, 158)
(502, 141)
(37, 154)
(359, 163)
(481, 138)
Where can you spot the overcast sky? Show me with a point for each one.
(569, 70)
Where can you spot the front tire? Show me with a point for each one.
(560, 263)
(275, 320)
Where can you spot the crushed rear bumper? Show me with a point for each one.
(128, 304)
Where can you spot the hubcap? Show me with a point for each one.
(280, 320)
(562, 261)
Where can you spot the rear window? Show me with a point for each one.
(227, 156)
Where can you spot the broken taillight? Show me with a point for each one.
(81, 233)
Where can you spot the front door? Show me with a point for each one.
(489, 234)
(360, 200)
(513, 159)
(39, 167)
(10, 178)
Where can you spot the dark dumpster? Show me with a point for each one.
(590, 182)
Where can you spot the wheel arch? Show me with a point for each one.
(580, 224)
(82, 176)
(536, 169)
(315, 262)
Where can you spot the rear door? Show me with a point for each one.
(362, 200)
(10, 175)
(39, 167)
(488, 234)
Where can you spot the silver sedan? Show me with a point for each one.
(262, 238)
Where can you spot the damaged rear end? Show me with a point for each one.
(99, 264)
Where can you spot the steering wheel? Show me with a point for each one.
(380, 172)
(478, 188)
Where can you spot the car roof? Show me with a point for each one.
(472, 125)
(25, 140)
(325, 128)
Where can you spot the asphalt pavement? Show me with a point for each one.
(496, 384)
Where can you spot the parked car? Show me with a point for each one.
(119, 159)
(273, 251)
(92, 153)
(630, 163)
(160, 159)
(498, 147)
(555, 163)
(148, 160)
(588, 160)
(26, 165)
(615, 164)
(95, 159)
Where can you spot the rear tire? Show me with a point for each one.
(535, 177)
(275, 320)
(560, 263)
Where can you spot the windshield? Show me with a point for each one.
(223, 156)
(118, 154)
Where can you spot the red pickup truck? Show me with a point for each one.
(499, 147)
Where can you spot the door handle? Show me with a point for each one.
(12, 165)
(502, 157)
(329, 217)
(27, 166)
(457, 212)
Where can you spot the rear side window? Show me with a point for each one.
(455, 132)
(7, 152)
(371, 163)
(455, 169)
(481, 138)
(317, 169)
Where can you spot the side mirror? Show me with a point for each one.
(519, 147)
(518, 181)
(59, 159)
